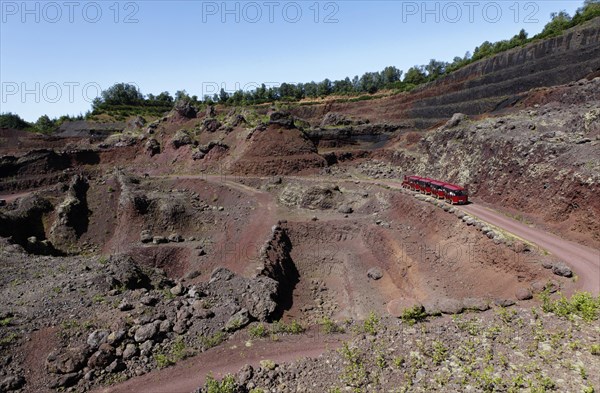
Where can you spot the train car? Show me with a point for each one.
(437, 189)
(412, 182)
(456, 195)
(449, 192)
(425, 185)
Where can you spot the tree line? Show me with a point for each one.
(125, 99)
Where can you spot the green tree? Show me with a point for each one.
(12, 120)
(559, 22)
(45, 125)
(391, 75)
(223, 96)
(324, 88)
(415, 75)
(122, 94)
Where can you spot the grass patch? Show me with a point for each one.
(413, 315)
(226, 385)
(581, 304)
(293, 327)
(6, 321)
(258, 331)
(329, 326)
(371, 324)
(8, 339)
(212, 341)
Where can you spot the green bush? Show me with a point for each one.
(581, 304)
(226, 385)
(371, 324)
(258, 331)
(329, 326)
(414, 314)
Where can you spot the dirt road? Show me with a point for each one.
(584, 261)
(228, 358)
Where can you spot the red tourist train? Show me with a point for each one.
(449, 192)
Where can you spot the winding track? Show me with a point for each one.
(583, 260)
(229, 357)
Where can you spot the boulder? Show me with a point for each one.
(146, 332)
(283, 119)
(259, 298)
(175, 238)
(450, 306)
(476, 304)
(152, 147)
(211, 125)
(560, 269)
(220, 274)
(136, 123)
(237, 321)
(181, 138)
(115, 337)
(146, 236)
(165, 326)
(116, 366)
(125, 305)
(102, 357)
(245, 374)
(65, 381)
(149, 300)
(238, 120)
(504, 302)
(185, 109)
(455, 120)
(97, 337)
(374, 273)
(177, 290)
(130, 351)
(345, 209)
(523, 294)
(13, 382)
(127, 273)
(71, 360)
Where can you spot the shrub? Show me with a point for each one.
(581, 304)
(371, 324)
(258, 330)
(226, 385)
(414, 314)
(329, 326)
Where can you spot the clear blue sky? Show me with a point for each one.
(55, 49)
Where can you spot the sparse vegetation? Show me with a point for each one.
(329, 326)
(371, 324)
(294, 327)
(226, 385)
(413, 315)
(581, 304)
(213, 340)
(258, 331)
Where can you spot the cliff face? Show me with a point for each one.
(484, 86)
(544, 160)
